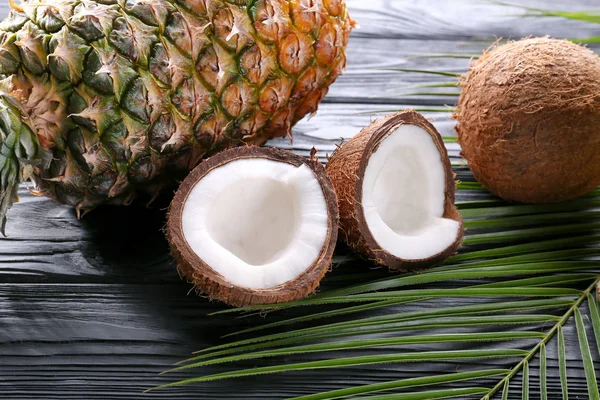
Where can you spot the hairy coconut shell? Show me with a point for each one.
(347, 168)
(528, 120)
(213, 284)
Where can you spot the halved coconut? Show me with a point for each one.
(396, 191)
(254, 226)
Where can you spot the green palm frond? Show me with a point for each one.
(536, 276)
(592, 16)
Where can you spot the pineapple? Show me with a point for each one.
(102, 101)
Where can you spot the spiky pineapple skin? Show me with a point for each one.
(127, 96)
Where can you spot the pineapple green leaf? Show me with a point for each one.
(19, 153)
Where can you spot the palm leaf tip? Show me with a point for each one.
(588, 362)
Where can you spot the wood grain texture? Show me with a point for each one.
(94, 309)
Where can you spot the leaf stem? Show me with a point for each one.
(543, 342)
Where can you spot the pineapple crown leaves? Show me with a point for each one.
(19, 153)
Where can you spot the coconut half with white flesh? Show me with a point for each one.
(254, 226)
(396, 192)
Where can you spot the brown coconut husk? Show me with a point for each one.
(215, 286)
(346, 169)
(528, 120)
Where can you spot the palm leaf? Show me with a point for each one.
(430, 395)
(405, 383)
(505, 390)
(562, 364)
(588, 362)
(595, 317)
(436, 323)
(592, 16)
(362, 361)
(533, 281)
(543, 372)
(525, 385)
(438, 318)
(590, 40)
(371, 343)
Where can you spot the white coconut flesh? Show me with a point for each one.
(403, 196)
(257, 222)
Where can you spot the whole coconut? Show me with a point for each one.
(529, 120)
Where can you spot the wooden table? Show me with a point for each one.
(95, 309)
